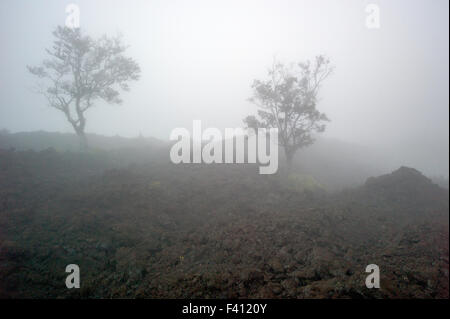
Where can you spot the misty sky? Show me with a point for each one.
(198, 60)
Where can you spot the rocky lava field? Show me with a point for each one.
(159, 230)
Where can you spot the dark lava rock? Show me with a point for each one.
(276, 266)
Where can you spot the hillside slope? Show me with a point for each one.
(159, 230)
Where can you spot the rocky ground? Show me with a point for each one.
(159, 230)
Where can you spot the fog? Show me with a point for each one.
(388, 93)
(224, 149)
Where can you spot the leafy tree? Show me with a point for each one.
(81, 70)
(287, 101)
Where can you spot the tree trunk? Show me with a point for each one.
(83, 140)
(289, 157)
(79, 128)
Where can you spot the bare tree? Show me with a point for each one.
(81, 70)
(287, 101)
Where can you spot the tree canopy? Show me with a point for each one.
(81, 70)
(287, 100)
